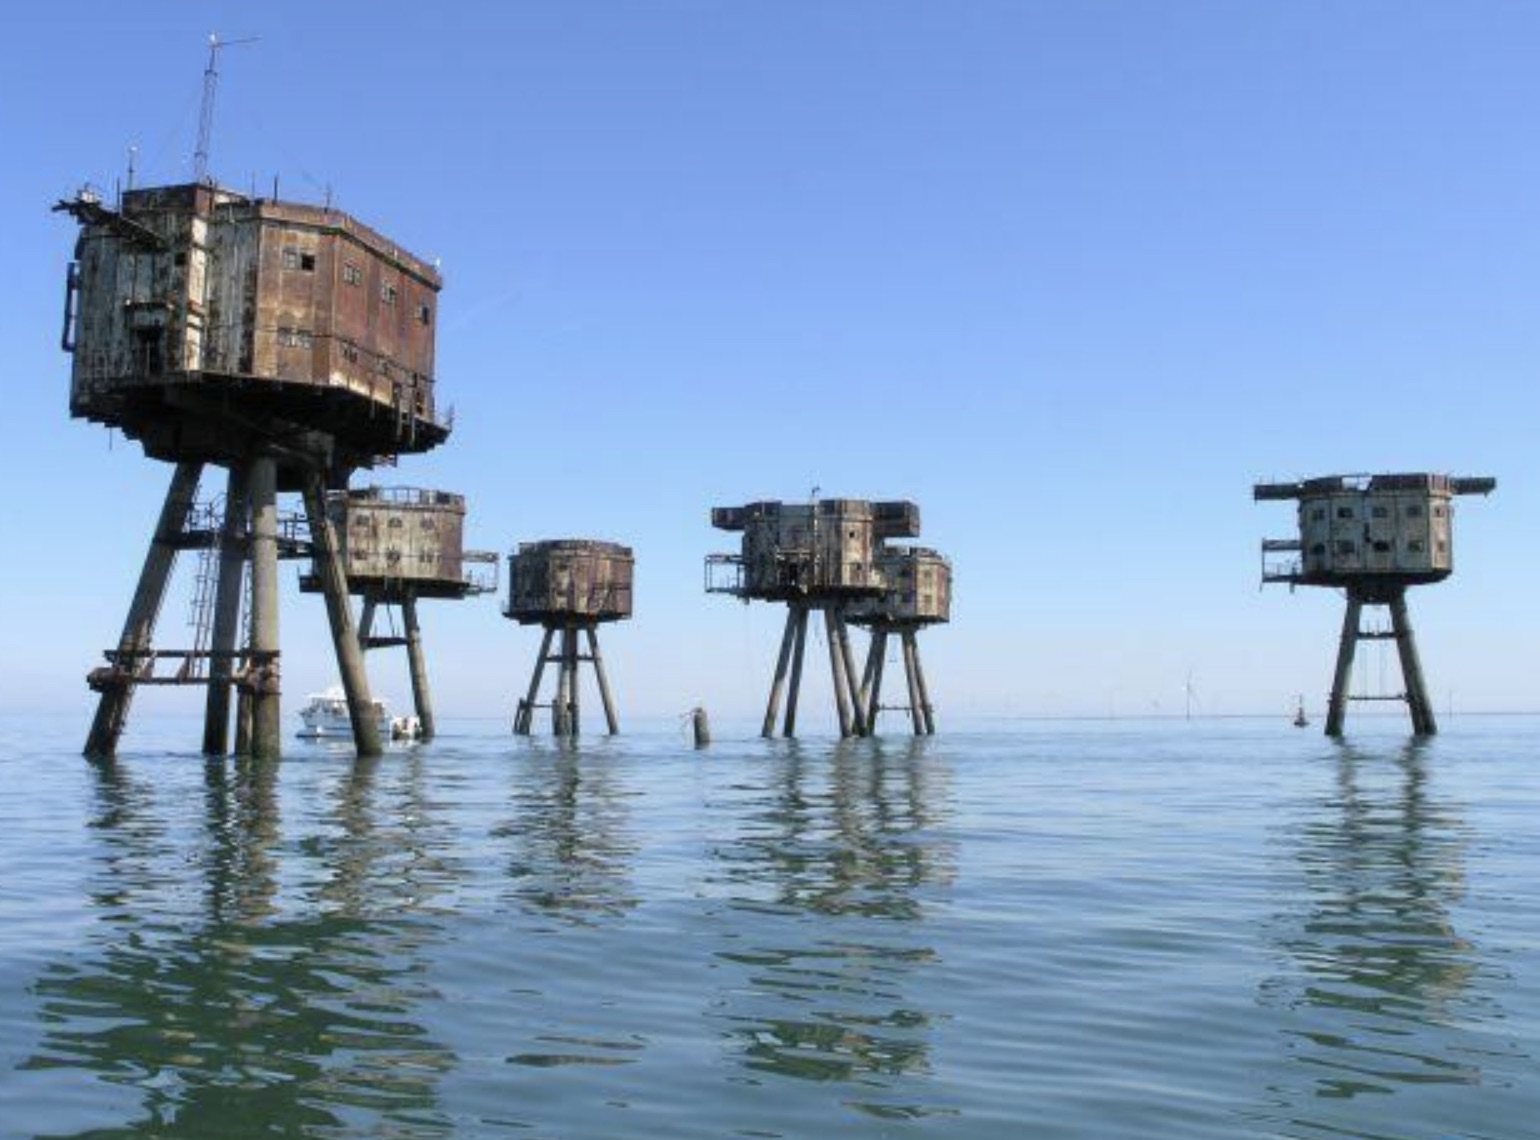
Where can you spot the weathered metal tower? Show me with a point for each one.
(568, 586)
(289, 344)
(819, 555)
(1372, 536)
(400, 544)
(917, 593)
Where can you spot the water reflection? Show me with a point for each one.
(837, 858)
(569, 841)
(211, 1004)
(1381, 979)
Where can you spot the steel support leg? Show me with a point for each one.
(604, 682)
(575, 722)
(837, 669)
(339, 611)
(798, 652)
(139, 628)
(266, 731)
(1336, 710)
(1423, 721)
(773, 710)
(524, 718)
(227, 614)
(417, 665)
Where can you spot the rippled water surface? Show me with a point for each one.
(1206, 929)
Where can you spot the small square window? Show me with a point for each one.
(1414, 511)
(1318, 514)
(1381, 512)
(1318, 548)
(1344, 512)
(1414, 546)
(351, 274)
(1346, 547)
(424, 314)
(1382, 547)
(388, 294)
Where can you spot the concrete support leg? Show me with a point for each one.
(927, 711)
(1423, 721)
(366, 623)
(798, 652)
(417, 666)
(339, 611)
(837, 669)
(227, 615)
(605, 695)
(139, 628)
(911, 674)
(848, 661)
(573, 654)
(524, 718)
(561, 710)
(782, 662)
(266, 731)
(876, 661)
(1336, 710)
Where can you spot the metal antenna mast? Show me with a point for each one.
(206, 113)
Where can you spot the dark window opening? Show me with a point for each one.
(1382, 547)
(1344, 512)
(1318, 548)
(388, 294)
(1381, 512)
(424, 314)
(351, 274)
(1345, 547)
(1414, 511)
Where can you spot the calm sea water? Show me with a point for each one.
(1206, 929)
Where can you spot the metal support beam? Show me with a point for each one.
(927, 713)
(263, 667)
(798, 652)
(858, 722)
(773, 709)
(604, 682)
(227, 614)
(139, 628)
(876, 660)
(837, 670)
(366, 623)
(523, 718)
(417, 666)
(339, 611)
(1423, 721)
(911, 675)
(1336, 711)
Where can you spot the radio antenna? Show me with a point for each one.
(206, 113)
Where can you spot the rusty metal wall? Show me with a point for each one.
(191, 280)
(1391, 532)
(917, 588)
(401, 534)
(805, 549)
(570, 578)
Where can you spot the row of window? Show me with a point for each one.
(352, 274)
(1348, 547)
(369, 522)
(1412, 511)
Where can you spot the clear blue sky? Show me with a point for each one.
(1070, 275)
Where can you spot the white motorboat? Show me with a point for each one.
(326, 718)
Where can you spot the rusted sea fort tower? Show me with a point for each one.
(289, 344)
(399, 545)
(917, 592)
(1372, 536)
(568, 586)
(819, 555)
